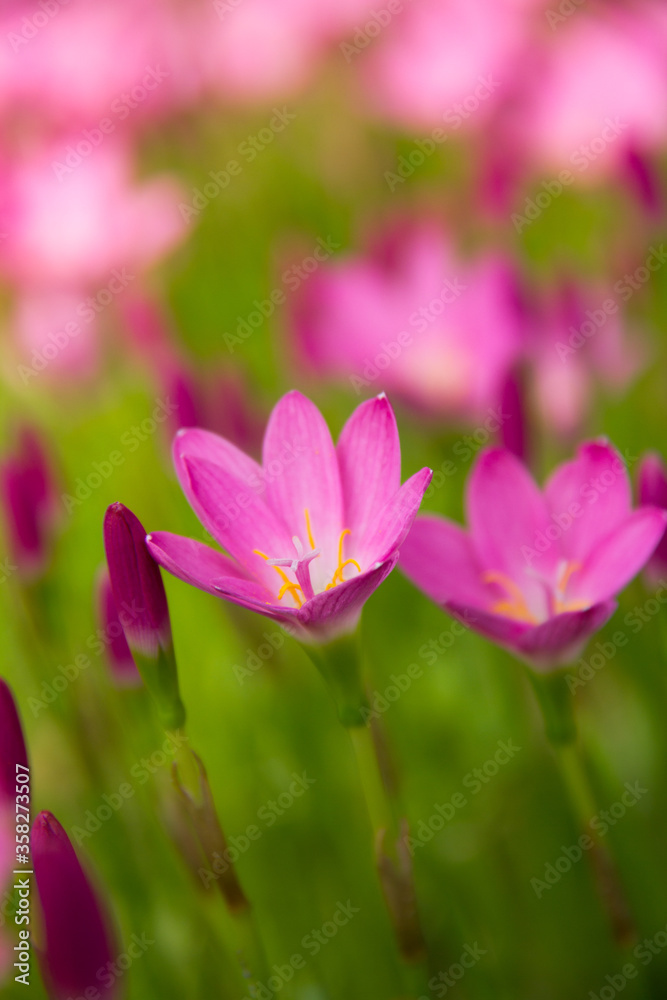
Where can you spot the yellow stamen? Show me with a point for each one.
(309, 530)
(566, 574)
(342, 563)
(288, 587)
(562, 605)
(516, 608)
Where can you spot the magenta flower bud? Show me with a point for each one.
(78, 940)
(653, 493)
(12, 745)
(123, 668)
(27, 497)
(138, 591)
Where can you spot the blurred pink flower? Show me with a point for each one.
(538, 570)
(29, 503)
(447, 63)
(52, 335)
(598, 92)
(71, 226)
(258, 50)
(578, 340)
(412, 317)
(653, 490)
(61, 62)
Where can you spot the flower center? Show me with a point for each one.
(302, 590)
(514, 604)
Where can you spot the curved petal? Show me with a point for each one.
(237, 518)
(392, 524)
(560, 640)
(192, 442)
(337, 610)
(251, 595)
(507, 514)
(588, 497)
(369, 457)
(498, 628)
(618, 557)
(439, 557)
(190, 560)
(301, 472)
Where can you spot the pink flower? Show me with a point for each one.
(446, 64)
(312, 532)
(440, 332)
(579, 338)
(70, 227)
(653, 490)
(60, 62)
(577, 111)
(537, 571)
(29, 505)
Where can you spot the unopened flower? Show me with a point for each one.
(78, 942)
(27, 494)
(137, 586)
(537, 571)
(312, 532)
(118, 653)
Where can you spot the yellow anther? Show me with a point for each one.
(342, 563)
(517, 607)
(567, 572)
(288, 587)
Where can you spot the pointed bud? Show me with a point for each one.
(653, 493)
(12, 745)
(123, 668)
(78, 942)
(191, 782)
(136, 584)
(27, 495)
(513, 428)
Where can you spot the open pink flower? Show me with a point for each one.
(537, 571)
(312, 531)
(441, 332)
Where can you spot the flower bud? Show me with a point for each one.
(78, 942)
(653, 493)
(27, 496)
(137, 586)
(12, 745)
(123, 668)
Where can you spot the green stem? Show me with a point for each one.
(557, 707)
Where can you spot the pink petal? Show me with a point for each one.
(498, 628)
(560, 640)
(337, 610)
(369, 457)
(506, 514)
(618, 557)
(190, 560)
(439, 557)
(195, 443)
(391, 526)
(251, 595)
(301, 471)
(237, 518)
(588, 497)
